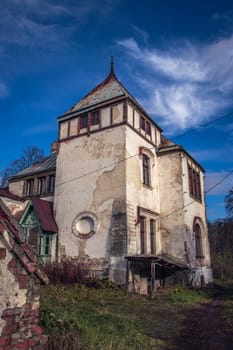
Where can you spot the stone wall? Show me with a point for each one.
(20, 279)
(19, 306)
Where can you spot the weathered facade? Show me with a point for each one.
(20, 279)
(127, 200)
(30, 200)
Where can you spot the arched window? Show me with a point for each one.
(146, 169)
(198, 245)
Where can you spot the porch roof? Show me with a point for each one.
(160, 260)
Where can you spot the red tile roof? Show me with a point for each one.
(44, 210)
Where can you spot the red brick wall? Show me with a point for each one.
(21, 329)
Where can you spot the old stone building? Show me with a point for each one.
(126, 200)
(20, 279)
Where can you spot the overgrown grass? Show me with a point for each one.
(77, 317)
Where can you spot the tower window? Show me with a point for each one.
(95, 118)
(148, 128)
(83, 121)
(142, 123)
(194, 183)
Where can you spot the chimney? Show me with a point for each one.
(54, 146)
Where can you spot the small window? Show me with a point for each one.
(148, 128)
(51, 183)
(29, 187)
(41, 185)
(198, 244)
(84, 225)
(152, 236)
(47, 245)
(95, 118)
(142, 123)
(83, 121)
(194, 183)
(146, 169)
(142, 234)
(44, 245)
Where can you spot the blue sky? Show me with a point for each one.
(175, 57)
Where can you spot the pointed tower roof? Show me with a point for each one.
(109, 89)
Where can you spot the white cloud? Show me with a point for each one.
(176, 67)
(213, 178)
(29, 33)
(186, 83)
(225, 17)
(43, 24)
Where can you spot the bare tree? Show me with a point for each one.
(229, 203)
(30, 155)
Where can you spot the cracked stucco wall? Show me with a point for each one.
(179, 209)
(92, 179)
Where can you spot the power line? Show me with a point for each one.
(207, 191)
(204, 125)
(219, 182)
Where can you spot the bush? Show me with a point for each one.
(70, 272)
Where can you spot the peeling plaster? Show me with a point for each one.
(10, 294)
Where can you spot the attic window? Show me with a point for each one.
(148, 128)
(83, 121)
(95, 118)
(142, 123)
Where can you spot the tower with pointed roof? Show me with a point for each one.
(121, 190)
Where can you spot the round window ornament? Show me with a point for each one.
(84, 225)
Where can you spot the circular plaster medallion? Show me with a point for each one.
(84, 225)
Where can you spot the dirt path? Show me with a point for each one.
(204, 327)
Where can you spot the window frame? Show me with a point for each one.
(146, 170)
(51, 187)
(198, 241)
(29, 187)
(142, 235)
(152, 236)
(95, 117)
(44, 245)
(148, 128)
(83, 121)
(142, 123)
(194, 183)
(41, 185)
